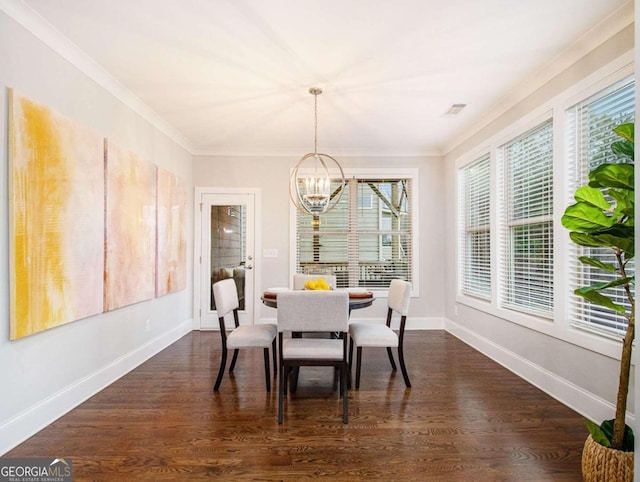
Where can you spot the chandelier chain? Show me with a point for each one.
(315, 139)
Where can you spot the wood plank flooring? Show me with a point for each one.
(465, 419)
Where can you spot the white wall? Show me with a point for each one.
(271, 175)
(575, 371)
(44, 375)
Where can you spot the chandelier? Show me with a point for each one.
(310, 181)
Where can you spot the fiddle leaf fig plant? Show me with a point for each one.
(603, 217)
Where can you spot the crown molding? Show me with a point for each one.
(63, 46)
(338, 153)
(611, 25)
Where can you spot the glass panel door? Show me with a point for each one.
(227, 252)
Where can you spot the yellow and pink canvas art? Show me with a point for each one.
(130, 266)
(56, 218)
(172, 242)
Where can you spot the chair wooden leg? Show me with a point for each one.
(401, 352)
(286, 380)
(345, 395)
(234, 360)
(393, 363)
(294, 379)
(350, 353)
(282, 383)
(223, 362)
(275, 358)
(267, 370)
(358, 365)
(350, 362)
(402, 367)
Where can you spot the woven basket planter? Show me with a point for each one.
(602, 464)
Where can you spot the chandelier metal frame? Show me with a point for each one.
(310, 179)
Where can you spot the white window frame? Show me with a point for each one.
(559, 326)
(379, 174)
(507, 224)
(465, 229)
(576, 179)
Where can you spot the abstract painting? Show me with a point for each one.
(130, 228)
(56, 218)
(172, 244)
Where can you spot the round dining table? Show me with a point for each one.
(357, 299)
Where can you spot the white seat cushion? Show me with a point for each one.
(312, 348)
(246, 336)
(370, 334)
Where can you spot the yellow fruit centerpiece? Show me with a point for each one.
(317, 284)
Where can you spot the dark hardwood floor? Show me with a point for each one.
(465, 418)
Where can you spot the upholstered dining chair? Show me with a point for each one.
(312, 311)
(300, 279)
(242, 336)
(379, 335)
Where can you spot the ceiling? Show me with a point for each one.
(232, 76)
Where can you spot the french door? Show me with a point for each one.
(227, 247)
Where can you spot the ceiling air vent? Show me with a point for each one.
(455, 109)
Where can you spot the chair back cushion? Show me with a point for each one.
(399, 296)
(300, 279)
(313, 311)
(225, 296)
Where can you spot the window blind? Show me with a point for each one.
(526, 242)
(590, 124)
(366, 240)
(475, 232)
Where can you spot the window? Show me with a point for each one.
(365, 198)
(590, 135)
(526, 243)
(366, 240)
(515, 260)
(475, 242)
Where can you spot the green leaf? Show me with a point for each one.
(625, 202)
(584, 217)
(628, 440)
(597, 434)
(592, 196)
(608, 284)
(628, 443)
(598, 264)
(618, 230)
(584, 239)
(625, 131)
(599, 299)
(627, 211)
(606, 430)
(613, 175)
(625, 244)
(623, 148)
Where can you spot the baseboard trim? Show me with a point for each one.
(24, 425)
(583, 402)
